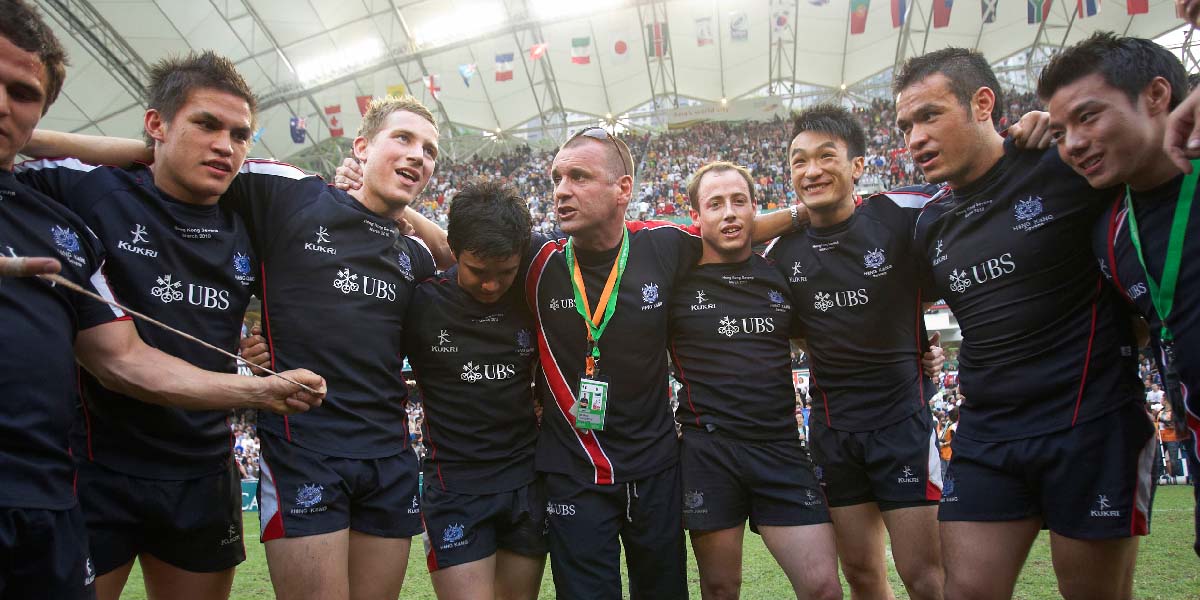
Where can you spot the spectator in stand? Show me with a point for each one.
(945, 436)
(1170, 443)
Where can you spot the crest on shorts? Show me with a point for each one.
(948, 487)
(309, 495)
(693, 499)
(453, 533)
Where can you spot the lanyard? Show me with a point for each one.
(605, 306)
(1163, 296)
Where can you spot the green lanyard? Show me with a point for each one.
(606, 305)
(1163, 296)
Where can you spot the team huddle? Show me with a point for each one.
(1057, 245)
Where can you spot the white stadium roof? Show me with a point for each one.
(301, 56)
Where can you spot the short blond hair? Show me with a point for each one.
(379, 109)
(720, 166)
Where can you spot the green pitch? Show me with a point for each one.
(1167, 568)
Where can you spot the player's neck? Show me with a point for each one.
(168, 184)
(828, 216)
(993, 151)
(600, 238)
(711, 255)
(1156, 170)
(376, 204)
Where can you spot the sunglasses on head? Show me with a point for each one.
(602, 134)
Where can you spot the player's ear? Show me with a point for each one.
(983, 104)
(859, 164)
(360, 149)
(155, 126)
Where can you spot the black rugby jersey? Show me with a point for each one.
(1119, 263)
(37, 365)
(730, 330)
(859, 305)
(473, 363)
(336, 283)
(639, 437)
(1045, 344)
(188, 266)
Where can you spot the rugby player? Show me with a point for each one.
(1109, 99)
(617, 483)
(158, 482)
(731, 318)
(470, 340)
(1053, 432)
(336, 277)
(42, 532)
(853, 275)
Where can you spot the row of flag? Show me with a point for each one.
(1036, 11)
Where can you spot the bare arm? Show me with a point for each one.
(433, 236)
(94, 149)
(115, 354)
(772, 225)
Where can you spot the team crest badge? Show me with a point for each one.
(874, 258)
(309, 495)
(650, 293)
(693, 499)
(453, 533)
(775, 297)
(1028, 208)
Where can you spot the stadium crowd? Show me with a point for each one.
(665, 161)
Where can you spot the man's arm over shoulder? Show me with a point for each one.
(93, 149)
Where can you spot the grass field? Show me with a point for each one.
(1167, 568)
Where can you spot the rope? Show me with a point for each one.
(59, 280)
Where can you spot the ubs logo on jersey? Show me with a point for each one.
(988, 270)
(444, 344)
(347, 283)
(822, 301)
(405, 265)
(556, 304)
(1104, 508)
(1028, 213)
(560, 510)
(318, 245)
(498, 372)
(730, 327)
(875, 262)
(797, 273)
(702, 302)
(241, 268)
(68, 245)
(650, 296)
(140, 236)
(1136, 290)
(524, 342)
(170, 290)
(939, 257)
(851, 298)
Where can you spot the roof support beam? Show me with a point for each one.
(551, 117)
(101, 41)
(660, 79)
(446, 127)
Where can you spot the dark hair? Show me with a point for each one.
(966, 69)
(833, 120)
(24, 27)
(1128, 64)
(488, 218)
(172, 80)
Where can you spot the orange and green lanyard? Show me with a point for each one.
(605, 306)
